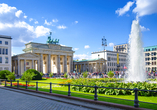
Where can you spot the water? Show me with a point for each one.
(136, 64)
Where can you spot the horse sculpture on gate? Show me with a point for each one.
(53, 41)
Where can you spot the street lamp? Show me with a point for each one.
(104, 43)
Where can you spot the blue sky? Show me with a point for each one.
(80, 24)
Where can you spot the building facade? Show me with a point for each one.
(92, 65)
(114, 60)
(123, 48)
(5, 52)
(45, 58)
(151, 58)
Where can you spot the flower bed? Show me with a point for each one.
(20, 84)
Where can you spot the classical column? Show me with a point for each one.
(38, 65)
(24, 65)
(19, 67)
(96, 69)
(71, 64)
(88, 66)
(77, 67)
(91, 67)
(49, 63)
(41, 62)
(33, 64)
(65, 63)
(58, 63)
(15, 67)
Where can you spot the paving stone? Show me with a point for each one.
(11, 100)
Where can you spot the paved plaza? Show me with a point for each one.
(14, 100)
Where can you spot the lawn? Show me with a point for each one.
(58, 89)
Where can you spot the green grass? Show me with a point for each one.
(101, 97)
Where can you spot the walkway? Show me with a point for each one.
(12, 99)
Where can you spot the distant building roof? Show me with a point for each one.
(5, 37)
(88, 60)
(152, 48)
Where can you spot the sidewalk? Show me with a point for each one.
(23, 100)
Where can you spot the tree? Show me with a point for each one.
(110, 74)
(85, 74)
(51, 74)
(27, 76)
(11, 76)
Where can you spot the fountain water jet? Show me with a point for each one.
(136, 64)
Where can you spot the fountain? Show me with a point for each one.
(136, 63)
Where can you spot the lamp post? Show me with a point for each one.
(104, 43)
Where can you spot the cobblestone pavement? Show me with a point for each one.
(10, 100)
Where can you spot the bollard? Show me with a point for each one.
(37, 86)
(17, 83)
(136, 98)
(50, 87)
(69, 92)
(5, 82)
(26, 84)
(11, 83)
(95, 96)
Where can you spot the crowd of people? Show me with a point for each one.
(117, 74)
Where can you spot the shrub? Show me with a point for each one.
(110, 74)
(85, 74)
(37, 75)
(4, 74)
(65, 75)
(28, 76)
(51, 74)
(11, 76)
(41, 73)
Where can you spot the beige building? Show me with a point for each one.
(121, 48)
(151, 58)
(45, 58)
(92, 65)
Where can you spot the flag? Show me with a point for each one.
(124, 67)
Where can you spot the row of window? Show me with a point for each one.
(6, 42)
(152, 49)
(5, 68)
(54, 58)
(152, 54)
(148, 63)
(115, 59)
(4, 51)
(152, 58)
(6, 60)
(153, 69)
(115, 64)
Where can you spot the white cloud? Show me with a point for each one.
(31, 19)
(81, 56)
(76, 22)
(25, 16)
(36, 22)
(86, 46)
(76, 49)
(111, 44)
(18, 13)
(47, 23)
(126, 8)
(145, 7)
(61, 27)
(17, 28)
(55, 20)
(144, 29)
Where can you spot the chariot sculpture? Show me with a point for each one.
(52, 41)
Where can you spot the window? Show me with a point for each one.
(6, 59)
(6, 42)
(0, 50)
(6, 51)
(0, 42)
(0, 59)
(53, 58)
(3, 51)
(27, 63)
(1, 68)
(6, 68)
